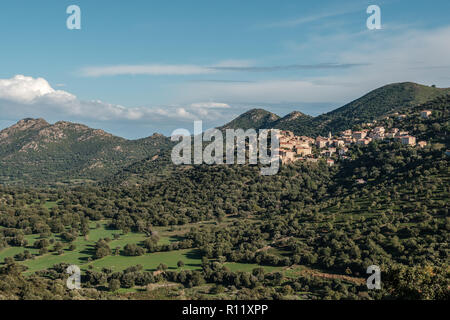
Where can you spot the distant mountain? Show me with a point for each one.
(371, 106)
(255, 118)
(34, 150)
(434, 131)
(375, 104)
(294, 120)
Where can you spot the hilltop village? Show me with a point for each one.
(302, 148)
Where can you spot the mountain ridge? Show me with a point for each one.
(374, 104)
(252, 118)
(34, 150)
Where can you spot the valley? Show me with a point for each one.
(140, 227)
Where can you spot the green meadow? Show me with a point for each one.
(85, 246)
(150, 262)
(83, 253)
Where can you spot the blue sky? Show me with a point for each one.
(142, 66)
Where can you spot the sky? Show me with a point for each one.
(144, 66)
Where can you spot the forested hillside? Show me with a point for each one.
(309, 220)
(153, 230)
(36, 152)
(252, 119)
(372, 106)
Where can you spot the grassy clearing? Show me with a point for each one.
(150, 262)
(85, 246)
(50, 204)
(83, 253)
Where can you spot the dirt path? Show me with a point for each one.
(154, 286)
(354, 280)
(316, 273)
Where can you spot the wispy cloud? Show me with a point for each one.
(151, 69)
(289, 23)
(319, 66)
(157, 69)
(221, 81)
(161, 69)
(421, 56)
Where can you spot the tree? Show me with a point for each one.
(42, 243)
(417, 283)
(287, 290)
(114, 285)
(218, 288)
(58, 246)
(133, 250)
(102, 249)
(180, 264)
(162, 267)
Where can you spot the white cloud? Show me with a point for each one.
(24, 89)
(23, 96)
